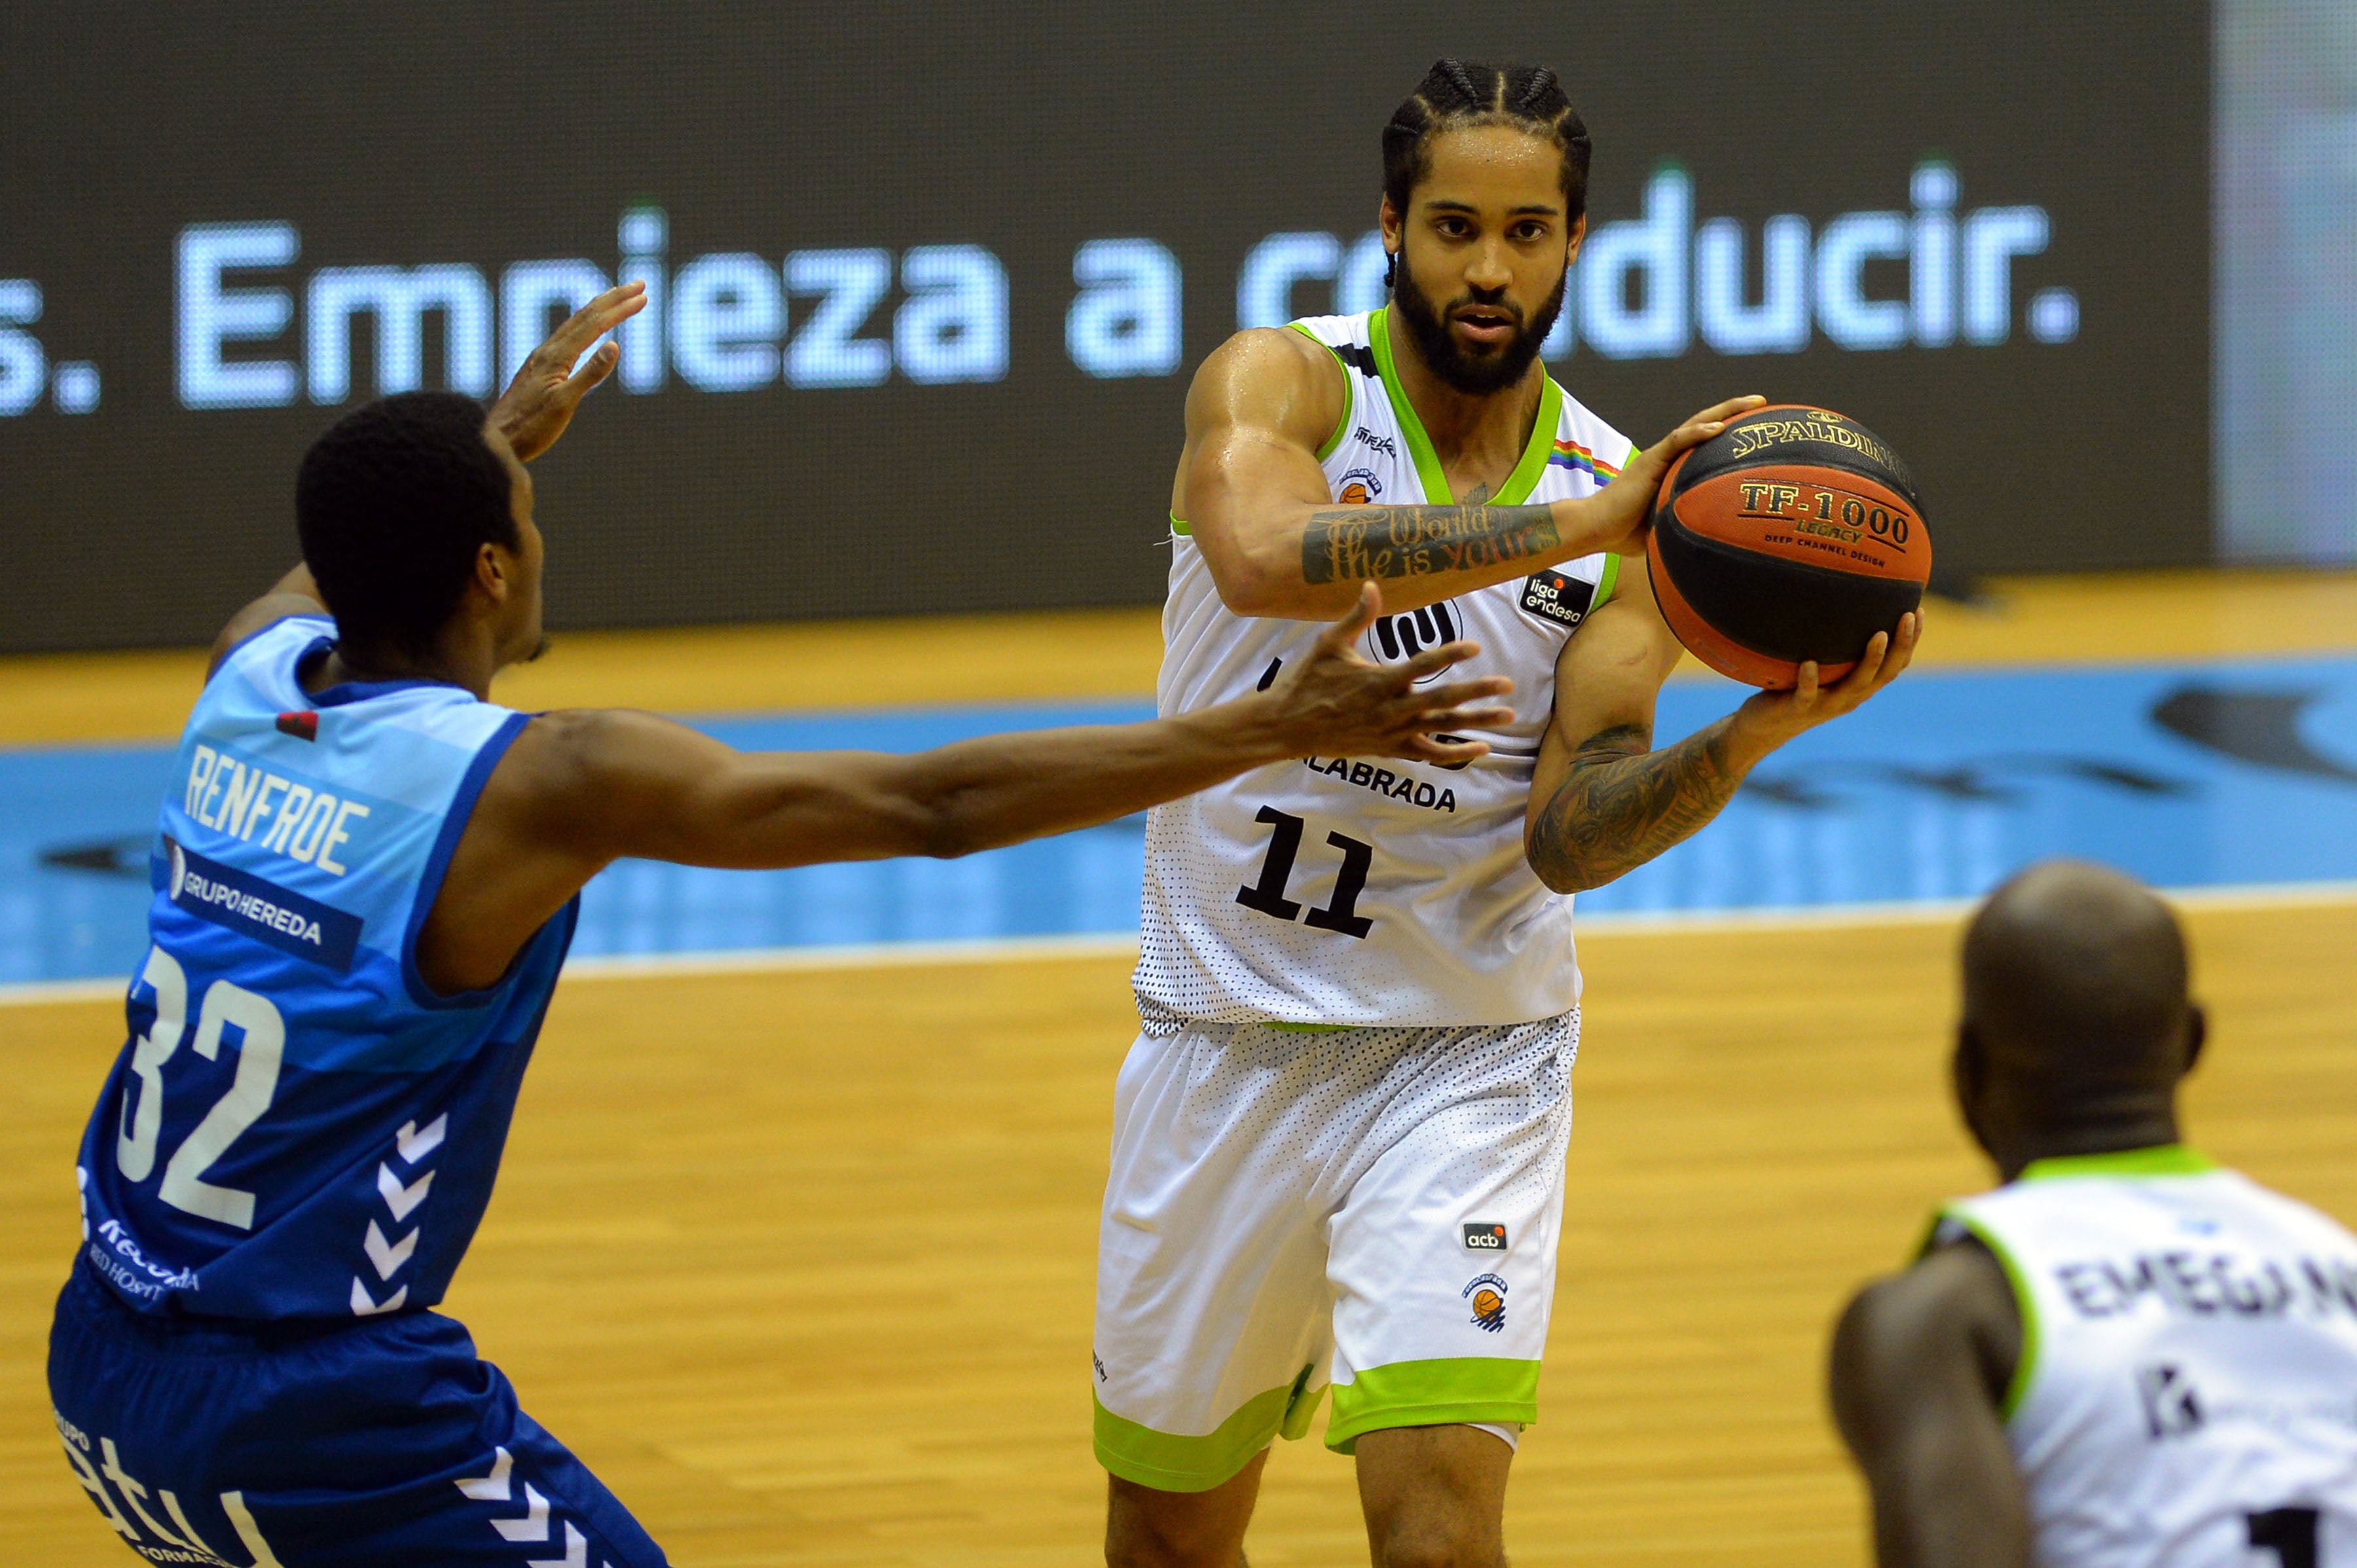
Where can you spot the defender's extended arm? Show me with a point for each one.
(578, 790)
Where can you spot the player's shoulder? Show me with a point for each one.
(2287, 1213)
(1956, 1296)
(1270, 376)
(566, 770)
(567, 755)
(572, 746)
(1951, 1316)
(253, 625)
(1283, 352)
(1336, 333)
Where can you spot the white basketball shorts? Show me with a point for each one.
(1372, 1208)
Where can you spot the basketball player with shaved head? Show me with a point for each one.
(1339, 1139)
(2124, 1357)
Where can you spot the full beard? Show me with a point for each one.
(1474, 375)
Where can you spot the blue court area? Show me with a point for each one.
(2191, 776)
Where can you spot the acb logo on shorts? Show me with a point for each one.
(1485, 1238)
(1395, 639)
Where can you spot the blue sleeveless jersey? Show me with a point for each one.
(299, 1126)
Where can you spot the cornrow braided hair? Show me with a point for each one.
(1456, 93)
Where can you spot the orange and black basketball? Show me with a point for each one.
(1793, 534)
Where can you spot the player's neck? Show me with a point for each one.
(458, 659)
(1466, 426)
(2117, 1130)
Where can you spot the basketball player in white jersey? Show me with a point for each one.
(1339, 1139)
(2124, 1357)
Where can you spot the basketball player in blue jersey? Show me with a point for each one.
(1339, 1135)
(365, 880)
(2124, 1357)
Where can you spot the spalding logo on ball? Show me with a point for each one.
(1793, 534)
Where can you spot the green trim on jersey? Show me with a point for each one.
(2161, 1159)
(1460, 1389)
(1533, 466)
(1283, 1027)
(1604, 586)
(1171, 1462)
(1180, 529)
(1527, 472)
(1350, 390)
(2023, 1304)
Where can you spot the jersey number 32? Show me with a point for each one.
(264, 1043)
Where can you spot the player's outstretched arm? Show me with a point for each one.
(577, 790)
(1603, 802)
(1918, 1376)
(643, 787)
(1257, 502)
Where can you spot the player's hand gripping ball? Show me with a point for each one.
(1793, 534)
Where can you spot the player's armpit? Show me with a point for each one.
(1917, 1373)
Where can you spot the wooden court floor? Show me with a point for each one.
(800, 1260)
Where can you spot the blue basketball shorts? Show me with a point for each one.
(380, 1444)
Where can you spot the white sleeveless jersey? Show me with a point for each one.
(2187, 1392)
(1354, 891)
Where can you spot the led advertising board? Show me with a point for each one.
(930, 279)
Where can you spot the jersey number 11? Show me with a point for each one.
(1267, 895)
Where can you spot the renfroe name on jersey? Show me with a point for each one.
(241, 799)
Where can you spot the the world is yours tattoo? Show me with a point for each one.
(1353, 543)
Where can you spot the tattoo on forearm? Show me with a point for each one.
(1351, 544)
(1624, 804)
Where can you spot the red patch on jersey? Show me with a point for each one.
(302, 725)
